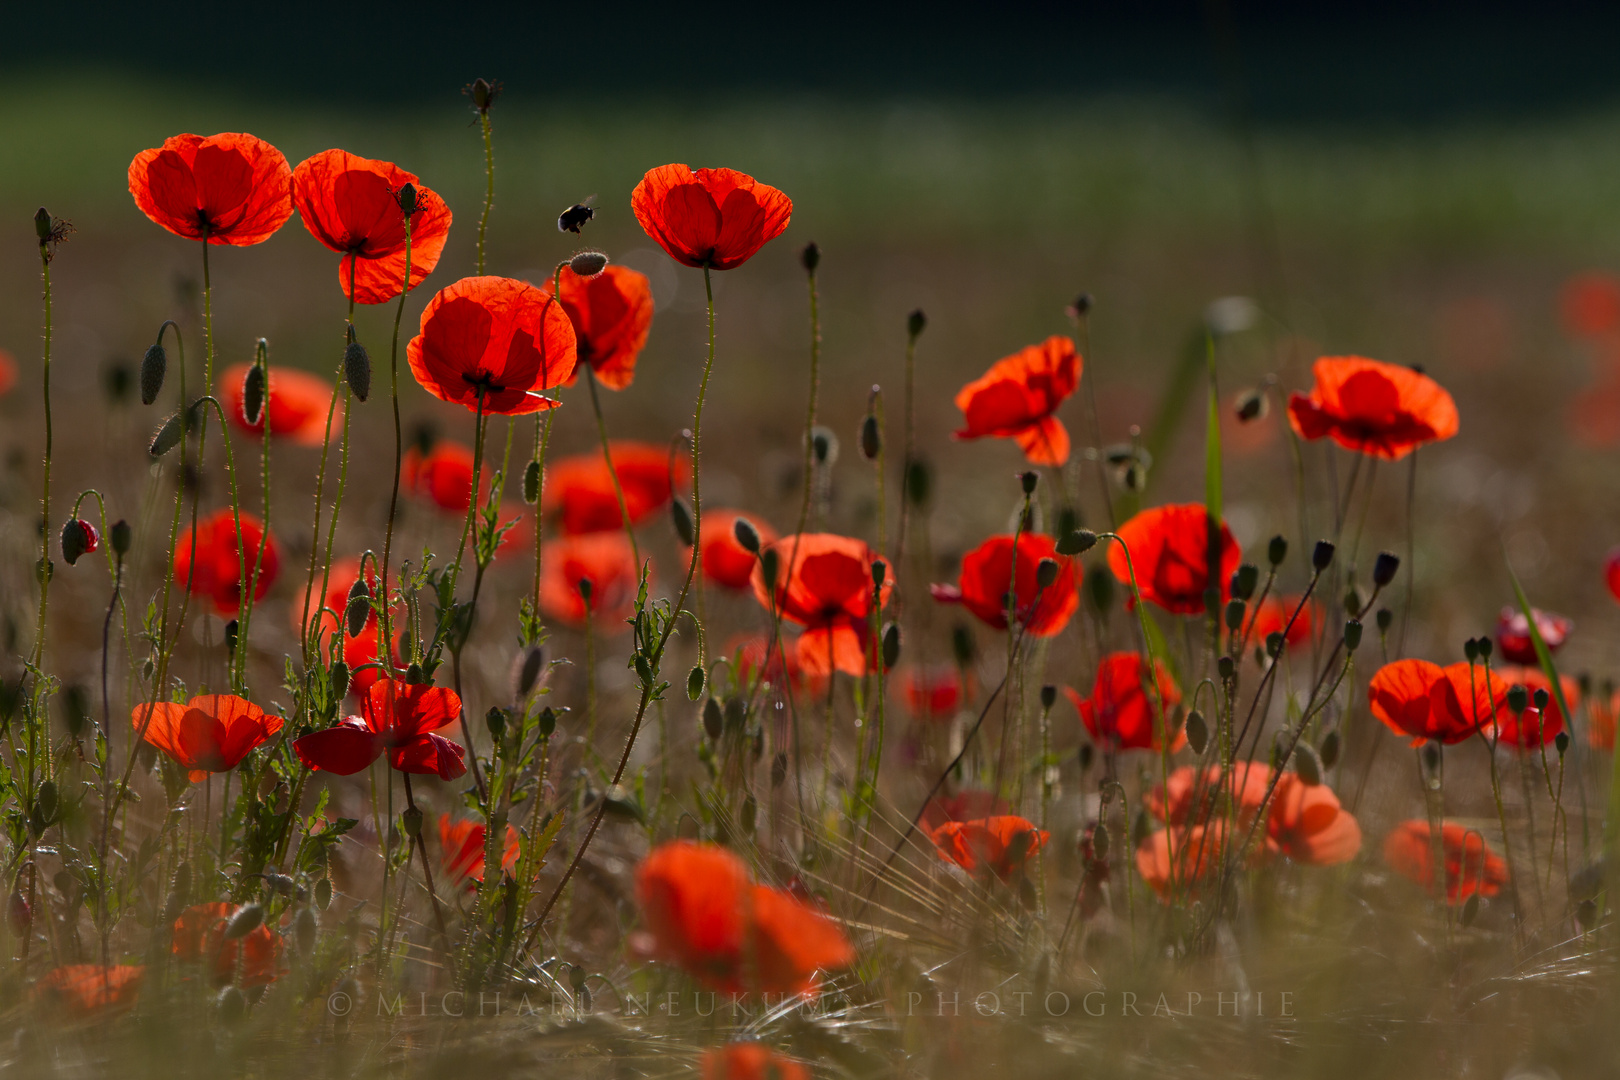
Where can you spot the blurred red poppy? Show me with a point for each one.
(396, 717)
(1513, 633)
(8, 372)
(750, 1061)
(1532, 730)
(207, 562)
(443, 476)
(606, 561)
(296, 405)
(1589, 304)
(932, 692)
(1119, 714)
(351, 204)
(1426, 701)
(1372, 407)
(91, 989)
(579, 488)
(1271, 617)
(1000, 845)
(1187, 857)
(1017, 397)
(1169, 550)
(461, 850)
(496, 340)
(209, 734)
(748, 655)
(612, 314)
(227, 189)
(726, 562)
(1307, 824)
(1210, 791)
(199, 937)
(1603, 717)
(963, 806)
(1611, 572)
(1470, 864)
(825, 585)
(986, 571)
(712, 217)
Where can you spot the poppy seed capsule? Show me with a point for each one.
(483, 93)
(1244, 581)
(79, 537)
(1046, 573)
(1274, 644)
(167, 437)
(880, 570)
(825, 446)
(547, 722)
(1540, 697)
(1048, 696)
(1471, 650)
(871, 438)
(588, 264)
(357, 369)
(681, 513)
(747, 536)
(1484, 648)
(253, 394)
(915, 322)
(1227, 668)
(810, 257)
(1518, 698)
(1384, 617)
(154, 366)
(119, 534)
(495, 720)
(1277, 550)
(410, 822)
(1321, 555)
(1384, 568)
(1234, 614)
(1028, 480)
(1352, 634)
(1561, 742)
(42, 224)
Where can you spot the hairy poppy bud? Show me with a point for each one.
(1244, 581)
(1321, 555)
(415, 676)
(1076, 542)
(79, 537)
(810, 256)
(120, 536)
(1028, 480)
(643, 667)
(1197, 732)
(531, 483)
(747, 536)
(681, 512)
(357, 368)
(232, 1004)
(694, 682)
(1277, 550)
(880, 571)
(769, 563)
(1518, 698)
(1046, 573)
(1048, 696)
(495, 720)
(962, 647)
(1352, 634)
(588, 263)
(1235, 610)
(410, 822)
(340, 679)
(358, 608)
(919, 482)
(1252, 405)
(891, 645)
(915, 322)
(1352, 601)
(1307, 764)
(406, 197)
(167, 437)
(1329, 750)
(871, 438)
(247, 919)
(154, 366)
(253, 394)
(713, 719)
(42, 224)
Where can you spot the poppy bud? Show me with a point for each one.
(247, 919)
(915, 322)
(1048, 696)
(681, 512)
(962, 644)
(1561, 742)
(1082, 305)
(1384, 568)
(1028, 480)
(42, 224)
(1471, 650)
(120, 536)
(304, 930)
(154, 366)
(167, 437)
(1197, 732)
(779, 767)
(768, 565)
(919, 482)
(340, 679)
(1518, 698)
(1307, 764)
(79, 537)
(1470, 910)
(747, 536)
(1274, 644)
(411, 822)
(1352, 634)
(253, 394)
(415, 676)
(1321, 555)
(357, 368)
(531, 483)
(891, 645)
(750, 815)
(1212, 599)
(871, 438)
(118, 378)
(526, 669)
(483, 93)
(1252, 405)
(406, 197)
(1099, 842)
(694, 682)
(495, 720)
(1085, 755)
(1046, 572)
(1431, 758)
(1329, 751)
(588, 263)
(232, 630)
(643, 667)
(824, 444)
(1234, 614)
(585, 588)
(1277, 550)
(1484, 648)
(547, 722)
(1244, 581)
(1385, 617)
(810, 257)
(880, 570)
(736, 711)
(1226, 667)
(713, 720)
(358, 609)
(1540, 697)
(1076, 542)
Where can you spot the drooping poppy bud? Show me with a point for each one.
(357, 367)
(245, 921)
(167, 437)
(531, 483)
(1076, 542)
(1028, 480)
(588, 264)
(1245, 580)
(747, 536)
(681, 513)
(79, 537)
(891, 645)
(154, 366)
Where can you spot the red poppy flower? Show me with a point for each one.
(1189, 857)
(397, 717)
(361, 650)
(228, 189)
(1000, 845)
(579, 488)
(443, 476)
(1513, 633)
(825, 585)
(252, 960)
(726, 562)
(612, 314)
(963, 806)
(1017, 397)
(461, 847)
(1427, 701)
(493, 336)
(8, 372)
(208, 564)
(1119, 714)
(1590, 304)
(90, 989)
(713, 217)
(1211, 791)
(1272, 615)
(296, 405)
(209, 734)
(1169, 549)
(1603, 717)
(350, 204)
(934, 692)
(750, 1061)
(1532, 729)
(984, 584)
(1470, 864)
(603, 559)
(1374, 408)
(1611, 572)
(1307, 824)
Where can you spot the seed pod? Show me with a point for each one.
(304, 930)
(495, 720)
(1518, 698)
(1307, 764)
(1352, 634)
(694, 682)
(1046, 573)
(1385, 617)
(167, 436)
(880, 571)
(1561, 742)
(1197, 732)
(713, 720)
(824, 445)
(1274, 644)
(891, 645)
(1484, 648)
(547, 722)
(483, 93)
(410, 822)
(1028, 480)
(871, 438)
(1235, 610)
(340, 680)
(746, 535)
(588, 264)
(1471, 650)
(1384, 568)
(1245, 580)
(154, 366)
(1048, 697)
(1277, 550)
(1321, 556)
(1540, 697)
(247, 918)
(357, 368)
(1227, 667)
(915, 322)
(406, 197)
(1076, 542)
(680, 511)
(810, 257)
(120, 536)
(253, 394)
(1329, 750)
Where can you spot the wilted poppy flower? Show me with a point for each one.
(1017, 397)
(90, 989)
(461, 847)
(199, 937)
(496, 340)
(986, 571)
(1186, 858)
(1374, 408)
(1243, 787)
(825, 585)
(579, 488)
(1271, 617)
(296, 404)
(1533, 730)
(606, 561)
(209, 734)
(1169, 550)
(1513, 633)
(726, 562)
(1000, 845)
(1307, 824)
(702, 913)
(351, 204)
(397, 717)
(963, 806)
(227, 189)
(712, 217)
(932, 692)
(1590, 304)
(208, 562)
(750, 1061)
(443, 475)
(612, 313)
(1427, 701)
(1119, 714)
(1471, 866)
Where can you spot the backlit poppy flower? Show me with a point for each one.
(351, 204)
(461, 847)
(1120, 714)
(984, 583)
(1533, 730)
(8, 372)
(207, 562)
(1307, 824)
(361, 655)
(91, 989)
(1017, 397)
(579, 488)
(1211, 792)
(712, 217)
(1186, 858)
(750, 1061)
(606, 561)
(396, 717)
(1000, 845)
(934, 692)
(1513, 633)
(443, 476)
(825, 585)
(1374, 408)
(211, 733)
(296, 405)
(493, 340)
(612, 314)
(1602, 718)
(1470, 864)
(963, 806)
(726, 562)
(1169, 550)
(1590, 304)
(1272, 615)
(227, 189)
(1426, 701)
(199, 937)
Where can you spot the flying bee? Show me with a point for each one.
(574, 218)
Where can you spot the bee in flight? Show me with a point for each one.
(574, 218)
